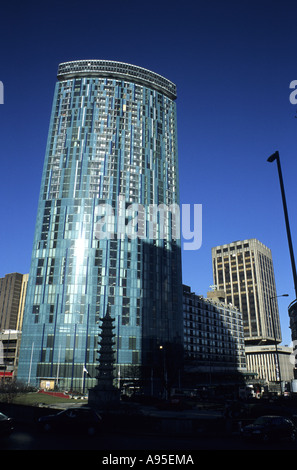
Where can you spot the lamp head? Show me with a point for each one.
(273, 157)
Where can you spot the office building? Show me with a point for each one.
(111, 150)
(213, 336)
(292, 310)
(244, 271)
(12, 296)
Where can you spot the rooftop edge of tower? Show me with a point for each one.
(118, 70)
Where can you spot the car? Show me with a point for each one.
(270, 427)
(76, 419)
(6, 425)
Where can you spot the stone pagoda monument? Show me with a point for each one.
(105, 392)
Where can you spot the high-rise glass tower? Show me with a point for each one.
(111, 154)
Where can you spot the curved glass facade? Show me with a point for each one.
(112, 145)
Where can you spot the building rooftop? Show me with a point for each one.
(117, 70)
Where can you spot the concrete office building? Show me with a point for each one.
(244, 270)
(12, 296)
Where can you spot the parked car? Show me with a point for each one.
(80, 419)
(270, 427)
(6, 424)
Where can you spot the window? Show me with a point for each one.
(132, 342)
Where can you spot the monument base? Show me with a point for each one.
(103, 398)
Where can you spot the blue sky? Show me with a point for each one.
(232, 62)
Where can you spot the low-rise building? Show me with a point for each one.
(213, 335)
(9, 351)
(271, 364)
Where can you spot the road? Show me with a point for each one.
(32, 439)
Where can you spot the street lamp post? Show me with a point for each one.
(164, 372)
(275, 156)
(277, 363)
